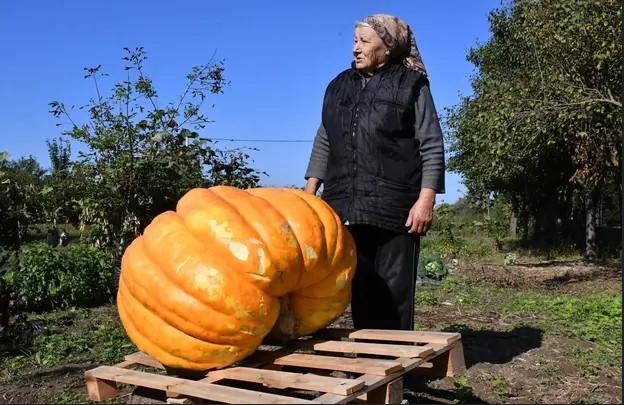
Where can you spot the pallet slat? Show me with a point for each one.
(232, 395)
(283, 379)
(144, 359)
(139, 378)
(372, 382)
(196, 389)
(395, 350)
(405, 336)
(358, 365)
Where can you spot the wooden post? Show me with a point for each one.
(456, 363)
(390, 393)
(448, 364)
(100, 390)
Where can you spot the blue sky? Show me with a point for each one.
(279, 57)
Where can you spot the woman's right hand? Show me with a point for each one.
(312, 185)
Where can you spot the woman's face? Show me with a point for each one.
(368, 49)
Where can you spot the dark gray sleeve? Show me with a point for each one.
(317, 166)
(429, 134)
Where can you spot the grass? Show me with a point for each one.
(71, 336)
(70, 397)
(463, 389)
(499, 387)
(592, 362)
(426, 298)
(594, 316)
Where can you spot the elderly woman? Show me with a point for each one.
(379, 154)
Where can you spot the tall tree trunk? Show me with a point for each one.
(121, 247)
(545, 229)
(513, 225)
(524, 224)
(20, 235)
(590, 226)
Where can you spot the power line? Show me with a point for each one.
(256, 140)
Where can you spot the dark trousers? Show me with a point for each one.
(384, 282)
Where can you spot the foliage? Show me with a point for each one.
(51, 277)
(80, 335)
(510, 259)
(499, 386)
(594, 362)
(466, 229)
(463, 388)
(432, 266)
(63, 184)
(425, 298)
(143, 155)
(499, 219)
(596, 318)
(20, 192)
(542, 127)
(11, 320)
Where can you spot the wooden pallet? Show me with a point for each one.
(371, 364)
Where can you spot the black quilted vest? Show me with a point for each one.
(374, 169)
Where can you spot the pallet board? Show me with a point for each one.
(374, 348)
(298, 372)
(357, 365)
(405, 336)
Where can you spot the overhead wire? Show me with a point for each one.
(256, 140)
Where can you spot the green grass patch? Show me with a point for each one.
(594, 317)
(499, 387)
(467, 294)
(463, 390)
(70, 397)
(426, 298)
(70, 336)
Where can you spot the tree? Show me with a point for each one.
(20, 198)
(143, 155)
(542, 126)
(59, 206)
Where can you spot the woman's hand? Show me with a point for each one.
(312, 185)
(421, 214)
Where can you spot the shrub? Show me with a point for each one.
(50, 277)
(510, 259)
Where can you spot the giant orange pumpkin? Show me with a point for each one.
(204, 285)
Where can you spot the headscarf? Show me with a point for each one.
(398, 38)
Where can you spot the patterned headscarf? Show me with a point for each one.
(398, 38)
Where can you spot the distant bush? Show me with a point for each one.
(510, 259)
(50, 277)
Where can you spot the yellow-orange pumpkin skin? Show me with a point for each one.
(202, 286)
